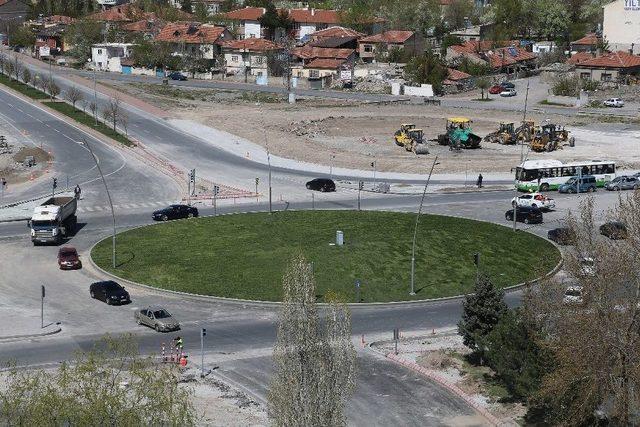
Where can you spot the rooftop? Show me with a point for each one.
(305, 15)
(391, 36)
(618, 59)
(191, 32)
(455, 75)
(336, 31)
(590, 39)
(579, 57)
(251, 45)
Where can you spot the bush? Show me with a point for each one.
(572, 85)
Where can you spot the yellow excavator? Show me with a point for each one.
(411, 138)
(550, 138)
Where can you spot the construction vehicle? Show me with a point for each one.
(459, 134)
(508, 134)
(411, 138)
(550, 137)
(53, 220)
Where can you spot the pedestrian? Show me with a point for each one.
(77, 192)
(179, 344)
(479, 181)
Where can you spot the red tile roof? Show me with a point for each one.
(58, 19)
(336, 31)
(325, 63)
(446, 2)
(618, 59)
(474, 46)
(588, 40)
(191, 32)
(246, 14)
(144, 26)
(124, 13)
(251, 44)
(309, 52)
(391, 36)
(579, 57)
(453, 74)
(508, 56)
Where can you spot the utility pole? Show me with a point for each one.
(192, 180)
(216, 189)
(42, 293)
(3, 184)
(203, 333)
(50, 78)
(54, 185)
(257, 197)
(360, 187)
(331, 160)
(270, 189)
(95, 95)
(415, 229)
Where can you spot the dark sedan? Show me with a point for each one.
(525, 214)
(562, 236)
(68, 258)
(508, 85)
(109, 292)
(177, 76)
(615, 230)
(321, 184)
(175, 212)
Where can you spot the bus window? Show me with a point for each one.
(585, 170)
(609, 169)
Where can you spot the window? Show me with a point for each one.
(314, 73)
(368, 48)
(605, 77)
(585, 75)
(259, 59)
(234, 58)
(99, 51)
(259, 74)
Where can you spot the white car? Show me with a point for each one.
(588, 266)
(508, 92)
(534, 200)
(614, 102)
(573, 295)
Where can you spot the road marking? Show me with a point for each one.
(56, 130)
(88, 208)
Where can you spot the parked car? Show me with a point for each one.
(614, 230)
(525, 214)
(573, 295)
(586, 184)
(507, 85)
(68, 258)
(157, 318)
(614, 102)
(177, 76)
(110, 292)
(588, 266)
(321, 184)
(495, 89)
(535, 200)
(175, 212)
(562, 236)
(623, 183)
(508, 92)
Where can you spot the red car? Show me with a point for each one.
(68, 258)
(495, 89)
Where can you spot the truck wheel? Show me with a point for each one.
(157, 328)
(138, 321)
(93, 295)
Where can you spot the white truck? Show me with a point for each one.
(53, 220)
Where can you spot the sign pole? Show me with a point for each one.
(42, 293)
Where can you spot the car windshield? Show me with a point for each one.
(68, 252)
(573, 293)
(161, 314)
(571, 180)
(112, 286)
(41, 225)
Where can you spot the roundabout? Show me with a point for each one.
(243, 256)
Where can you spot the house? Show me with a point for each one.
(106, 4)
(543, 47)
(50, 41)
(508, 57)
(121, 13)
(335, 37)
(473, 32)
(149, 28)
(368, 47)
(614, 66)
(213, 6)
(621, 25)
(305, 54)
(107, 56)
(588, 43)
(457, 80)
(579, 57)
(194, 38)
(248, 56)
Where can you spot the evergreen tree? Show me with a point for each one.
(186, 6)
(482, 310)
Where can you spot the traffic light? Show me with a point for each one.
(192, 175)
(204, 332)
(360, 185)
(55, 183)
(216, 190)
(373, 164)
(3, 182)
(257, 181)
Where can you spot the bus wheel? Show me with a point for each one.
(544, 187)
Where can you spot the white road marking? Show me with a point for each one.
(88, 208)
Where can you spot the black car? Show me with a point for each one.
(175, 212)
(562, 236)
(615, 230)
(508, 85)
(321, 184)
(525, 214)
(177, 76)
(109, 292)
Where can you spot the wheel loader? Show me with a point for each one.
(411, 139)
(505, 135)
(550, 138)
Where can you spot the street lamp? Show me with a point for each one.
(113, 215)
(95, 93)
(415, 229)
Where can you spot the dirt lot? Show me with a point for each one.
(353, 135)
(12, 156)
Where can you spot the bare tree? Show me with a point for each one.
(40, 82)
(26, 76)
(17, 68)
(53, 88)
(123, 119)
(112, 112)
(93, 107)
(84, 105)
(3, 62)
(595, 342)
(10, 67)
(73, 95)
(314, 361)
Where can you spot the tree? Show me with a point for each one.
(17, 68)
(314, 361)
(458, 12)
(426, 69)
(483, 84)
(93, 107)
(3, 62)
(201, 12)
(356, 14)
(228, 5)
(186, 6)
(10, 67)
(22, 36)
(109, 385)
(81, 35)
(420, 16)
(53, 88)
(26, 76)
(482, 310)
(551, 19)
(73, 95)
(112, 111)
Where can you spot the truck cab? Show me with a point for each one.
(53, 220)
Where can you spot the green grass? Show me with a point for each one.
(244, 255)
(88, 120)
(23, 88)
(484, 376)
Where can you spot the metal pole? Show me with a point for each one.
(359, 190)
(113, 214)
(201, 353)
(95, 96)
(331, 159)
(41, 306)
(313, 202)
(50, 78)
(415, 229)
(270, 192)
(374, 172)
(189, 190)
(257, 198)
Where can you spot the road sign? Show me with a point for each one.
(360, 185)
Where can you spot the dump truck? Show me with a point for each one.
(53, 220)
(459, 134)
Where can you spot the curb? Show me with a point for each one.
(41, 334)
(452, 388)
(259, 303)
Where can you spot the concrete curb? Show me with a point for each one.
(452, 388)
(258, 303)
(26, 336)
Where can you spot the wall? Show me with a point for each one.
(306, 29)
(251, 29)
(422, 90)
(596, 74)
(569, 100)
(136, 71)
(621, 25)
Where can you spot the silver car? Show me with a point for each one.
(623, 183)
(157, 318)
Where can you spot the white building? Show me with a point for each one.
(544, 47)
(110, 3)
(621, 26)
(106, 56)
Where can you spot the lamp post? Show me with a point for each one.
(113, 215)
(415, 229)
(270, 192)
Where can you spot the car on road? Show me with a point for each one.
(321, 184)
(110, 292)
(177, 76)
(573, 295)
(562, 236)
(535, 200)
(525, 214)
(495, 89)
(507, 85)
(614, 230)
(614, 103)
(68, 258)
(175, 212)
(157, 318)
(587, 266)
(508, 92)
(586, 184)
(623, 183)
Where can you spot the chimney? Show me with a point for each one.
(313, 12)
